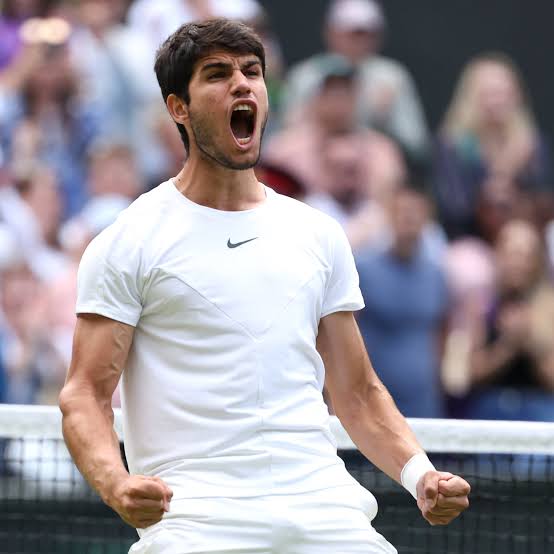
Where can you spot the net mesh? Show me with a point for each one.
(47, 507)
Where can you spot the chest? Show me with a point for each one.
(247, 278)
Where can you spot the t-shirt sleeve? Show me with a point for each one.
(108, 281)
(342, 293)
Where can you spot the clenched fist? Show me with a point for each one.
(141, 501)
(441, 496)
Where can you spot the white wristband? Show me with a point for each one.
(416, 467)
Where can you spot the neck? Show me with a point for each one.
(209, 184)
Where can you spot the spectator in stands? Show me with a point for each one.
(386, 98)
(38, 270)
(512, 366)
(113, 171)
(470, 272)
(488, 147)
(348, 171)
(44, 120)
(30, 362)
(157, 20)
(12, 15)
(406, 305)
(115, 81)
(42, 207)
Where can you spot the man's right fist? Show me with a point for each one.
(141, 501)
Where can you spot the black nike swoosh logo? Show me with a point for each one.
(234, 245)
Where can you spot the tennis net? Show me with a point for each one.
(47, 507)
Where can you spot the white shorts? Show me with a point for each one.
(330, 521)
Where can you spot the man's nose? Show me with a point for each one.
(241, 85)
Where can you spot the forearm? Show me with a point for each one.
(90, 437)
(364, 406)
(370, 417)
(379, 430)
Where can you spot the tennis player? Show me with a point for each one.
(225, 306)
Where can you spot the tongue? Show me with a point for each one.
(239, 125)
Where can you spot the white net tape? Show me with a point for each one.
(435, 435)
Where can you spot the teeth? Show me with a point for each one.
(243, 108)
(244, 140)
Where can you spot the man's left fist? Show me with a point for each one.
(442, 496)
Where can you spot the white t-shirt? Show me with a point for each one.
(222, 389)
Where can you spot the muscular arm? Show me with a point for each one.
(100, 349)
(361, 402)
(369, 415)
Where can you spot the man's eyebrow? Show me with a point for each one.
(215, 65)
(227, 65)
(250, 63)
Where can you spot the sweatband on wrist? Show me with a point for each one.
(416, 467)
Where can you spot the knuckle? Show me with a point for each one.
(127, 504)
(437, 514)
(133, 488)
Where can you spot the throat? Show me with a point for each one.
(220, 190)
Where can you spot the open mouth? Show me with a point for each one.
(243, 121)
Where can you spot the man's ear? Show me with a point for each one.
(178, 108)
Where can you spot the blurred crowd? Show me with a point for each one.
(452, 228)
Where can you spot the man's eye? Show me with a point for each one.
(217, 75)
(253, 73)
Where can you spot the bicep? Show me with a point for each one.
(100, 349)
(348, 371)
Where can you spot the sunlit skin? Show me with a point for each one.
(218, 172)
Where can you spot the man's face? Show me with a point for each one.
(228, 109)
(335, 105)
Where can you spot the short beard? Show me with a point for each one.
(203, 140)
